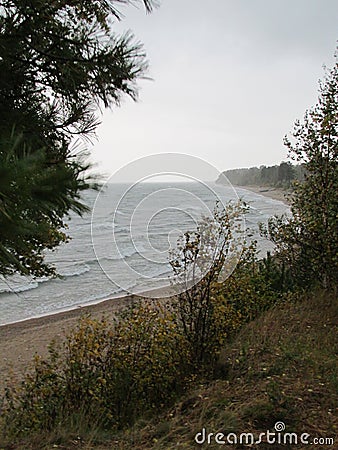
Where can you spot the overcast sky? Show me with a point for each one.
(230, 77)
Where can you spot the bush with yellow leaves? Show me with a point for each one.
(103, 376)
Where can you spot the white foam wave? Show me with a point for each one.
(19, 288)
(74, 272)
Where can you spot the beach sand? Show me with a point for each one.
(19, 342)
(271, 192)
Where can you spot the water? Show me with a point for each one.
(124, 246)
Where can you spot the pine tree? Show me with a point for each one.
(60, 64)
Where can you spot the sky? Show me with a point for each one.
(228, 80)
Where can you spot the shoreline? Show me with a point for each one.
(270, 192)
(20, 341)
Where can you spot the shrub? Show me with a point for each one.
(104, 375)
(152, 353)
(211, 308)
(277, 273)
(198, 263)
(248, 290)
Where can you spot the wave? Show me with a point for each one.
(103, 226)
(21, 285)
(161, 274)
(98, 260)
(119, 229)
(110, 227)
(74, 273)
(17, 289)
(117, 212)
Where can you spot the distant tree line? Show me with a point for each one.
(281, 175)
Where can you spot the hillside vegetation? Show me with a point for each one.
(280, 368)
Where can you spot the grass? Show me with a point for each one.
(281, 367)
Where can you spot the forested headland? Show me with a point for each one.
(281, 175)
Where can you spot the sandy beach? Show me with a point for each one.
(271, 192)
(20, 341)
